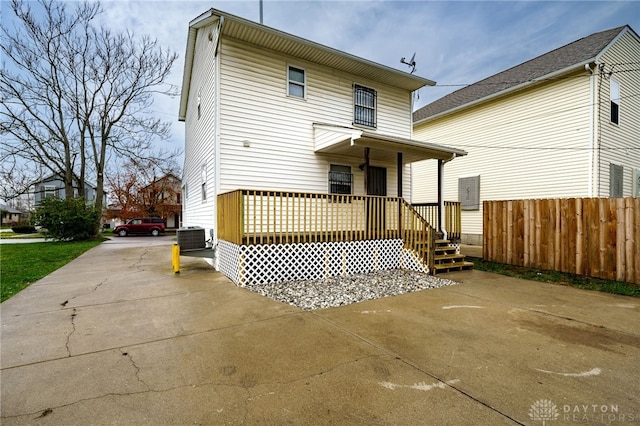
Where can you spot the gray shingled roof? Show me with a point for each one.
(11, 210)
(578, 52)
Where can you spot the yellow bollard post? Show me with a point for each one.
(176, 258)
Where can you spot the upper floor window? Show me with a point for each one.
(614, 95)
(296, 82)
(340, 179)
(364, 106)
(50, 191)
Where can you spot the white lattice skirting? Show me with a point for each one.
(263, 264)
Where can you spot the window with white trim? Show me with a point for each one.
(296, 82)
(616, 176)
(203, 183)
(49, 191)
(614, 95)
(364, 106)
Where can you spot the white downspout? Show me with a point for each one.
(441, 192)
(216, 143)
(592, 108)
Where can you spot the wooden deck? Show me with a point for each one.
(255, 217)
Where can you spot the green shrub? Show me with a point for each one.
(24, 229)
(67, 219)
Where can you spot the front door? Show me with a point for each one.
(377, 181)
(376, 185)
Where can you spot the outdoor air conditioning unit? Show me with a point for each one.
(191, 238)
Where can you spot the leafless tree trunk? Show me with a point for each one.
(76, 95)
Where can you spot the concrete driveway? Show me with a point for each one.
(116, 338)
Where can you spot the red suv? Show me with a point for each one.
(141, 225)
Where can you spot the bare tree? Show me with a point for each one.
(75, 95)
(16, 179)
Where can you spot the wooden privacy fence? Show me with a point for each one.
(598, 237)
(247, 217)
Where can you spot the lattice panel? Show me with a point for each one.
(409, 260)
(457, 247)
(264, 264)
(228, 255)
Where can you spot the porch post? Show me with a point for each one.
(400, 170)
(366, 170)
(441, 199)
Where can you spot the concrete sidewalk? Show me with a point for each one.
(116, 338)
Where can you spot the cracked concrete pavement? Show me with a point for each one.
(115, 337)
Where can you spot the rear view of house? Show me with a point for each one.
(564, 124)
(297, 156)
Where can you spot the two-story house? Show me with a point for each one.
(53, 186)
(163, 198)
(297, 155)
(565, 124)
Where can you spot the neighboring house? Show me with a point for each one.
(565, 124)
(165, 195)
(294, 150)
(11, 216)
(53, 186)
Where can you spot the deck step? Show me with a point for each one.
(445, 250)
(449, 256)
(447, 259)
(456, 266)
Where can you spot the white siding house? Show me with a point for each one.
(268, 111)
(542, 129)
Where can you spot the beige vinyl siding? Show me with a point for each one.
(616, 140)
(531, 144)
(200, 135)
(255, 108)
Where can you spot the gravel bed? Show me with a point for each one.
(339, 291)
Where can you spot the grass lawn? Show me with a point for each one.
(587, 283)
(23, 264)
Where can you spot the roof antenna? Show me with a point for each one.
(411, 62)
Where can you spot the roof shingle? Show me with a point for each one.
(577, 52)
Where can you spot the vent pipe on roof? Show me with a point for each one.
(260, 12)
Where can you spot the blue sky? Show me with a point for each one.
(456, 42)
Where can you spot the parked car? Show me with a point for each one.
(141, 225)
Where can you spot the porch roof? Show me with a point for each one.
(351, 142)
